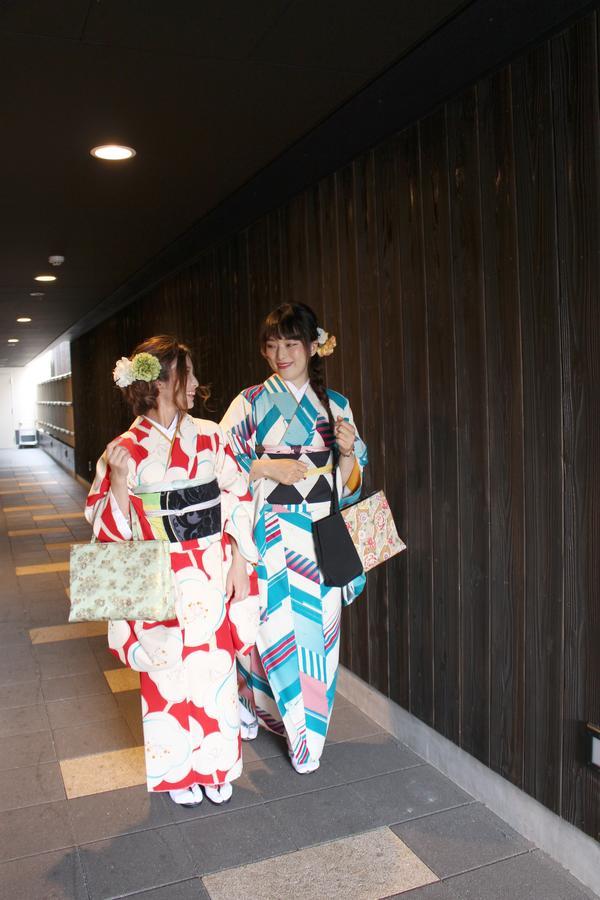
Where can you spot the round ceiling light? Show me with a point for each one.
(23, 319)
(13, 340)
(113, 152)
(45, 277)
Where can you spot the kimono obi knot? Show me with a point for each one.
(184, 513)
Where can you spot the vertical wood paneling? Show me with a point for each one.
(538, 281)
(505, 409)
(457, 263)
(414, 327)
(372, 415)
(350, 341)
(472, 422)
(443, 416)
(393, 425)
(575, 102)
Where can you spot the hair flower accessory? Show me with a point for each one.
(123, 372)
(143, 367)
(327, 342)
(146, 367)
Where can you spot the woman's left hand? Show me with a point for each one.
(345, 435)
(237, 583)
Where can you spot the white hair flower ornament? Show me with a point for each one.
(143, 367)
(327, 342)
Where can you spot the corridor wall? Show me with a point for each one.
(457, 263)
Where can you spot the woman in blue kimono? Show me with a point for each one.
(283, 433)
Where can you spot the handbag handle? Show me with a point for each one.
(136, 526)
(335, 500)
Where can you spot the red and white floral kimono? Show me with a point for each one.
(186, 488)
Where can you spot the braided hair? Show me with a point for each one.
(298, 322)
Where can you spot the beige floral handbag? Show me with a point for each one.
(121, 579)
(373, 530)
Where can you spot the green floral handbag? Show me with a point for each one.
(121, 579)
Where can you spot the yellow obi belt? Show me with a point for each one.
(182, 511)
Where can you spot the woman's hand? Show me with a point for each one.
(237, 583)
(117, 456)
(285, 471)
(345, 435)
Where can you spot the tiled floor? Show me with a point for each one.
(77, 822)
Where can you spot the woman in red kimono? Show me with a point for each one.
(180, 476)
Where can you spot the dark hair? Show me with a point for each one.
(143, 395)
(298, 322)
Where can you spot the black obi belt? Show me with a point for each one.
(185, 513)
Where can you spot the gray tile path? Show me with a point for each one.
(55, 703)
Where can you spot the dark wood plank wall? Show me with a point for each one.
(458, 265)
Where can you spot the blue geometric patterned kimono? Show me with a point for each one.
(290, 678)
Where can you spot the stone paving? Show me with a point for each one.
(374, 821)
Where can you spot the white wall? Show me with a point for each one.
(18, 394)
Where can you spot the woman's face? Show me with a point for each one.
(289, 359)
(188, 393)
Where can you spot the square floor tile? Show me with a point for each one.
(11, 672)
(26, 750)
(56, 659)
(375, 754)
(234, 838)
(437, 891)
(408, 794)
(348, 723)
(265, 745)
(362, 867)
(183, 890)
(31, 785)
(533, 876)
(23, 720)
(97, 737)
(34, 829)
(323, 815)
(460, 839)
(119, 812)
(135, 862)
(81, 685)
(82, 710)
(274, 778)
(51, 876)
(25, 693)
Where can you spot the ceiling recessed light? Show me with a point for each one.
(45, 277)
(113, 152)
(13, 340)
(23, 319)
(36, 294)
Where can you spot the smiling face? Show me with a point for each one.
(186, 395)
(289, 358)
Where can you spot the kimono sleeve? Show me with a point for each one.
(101, 510)
(352, 494)
(240, 431)
(236, 500)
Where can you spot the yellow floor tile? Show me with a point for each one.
(103, 772)
(13, 491)
(42, 569)
(26, 532)
(120, 680)
(64, 545)
(16, 509)
(336, 870)
(35, 483)
(49, 517)
(70, 632)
